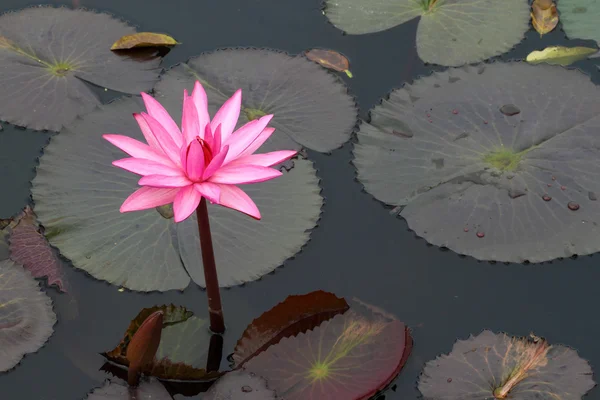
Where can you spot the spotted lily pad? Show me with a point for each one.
(48, 54)
(183, 348)
(497, 366)
(497, 161)
(29, 247)
(117, 390)
(312, 107)
(349, 357)
(78, 193)
(240, 385)
(580, 18)
(451, 32)
(26, 315)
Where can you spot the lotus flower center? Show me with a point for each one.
(208, 154)
(319, 371)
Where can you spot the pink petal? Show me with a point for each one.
(169, 147)
(195, 161)
(185, 203)
(264, 160)
(262, 138)
(147, 132)
(209, 190)
(236, 198)
(142, 166)
(239, 174)
(164, 181)
(215, 163)
(148, 197)
(158, 112)
(136, 148)
(208, 136)
(242, 138)
(189, 119)
(216, 142)
(228, 115)
(201, 103)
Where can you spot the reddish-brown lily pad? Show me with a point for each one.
(183, 348)
(29, 247)
(349, 357)
(498, 366)
(294, 315)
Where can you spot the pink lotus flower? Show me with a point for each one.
(204, 159)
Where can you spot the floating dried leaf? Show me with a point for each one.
(544, 16)
(560, 55)
(330, 59)
(143, 39)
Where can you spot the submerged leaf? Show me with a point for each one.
(26, 315)
(351, 356)
(560, 55)
(240, 385)
(312, 107)
(296, 314)
(483, 168)
(451, 32)
(116, 390)
(47, 54)
(544, 16)
(497, 366)
(143, 39)
(580, 19)
(142, 250)
(182, 352)
(330, 59)
(30, 248)
(143, 345)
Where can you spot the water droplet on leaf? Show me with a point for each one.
(563, 188)
(592, 196)
(480, 234)
(573, 206)
(246, 389)
(509, 109)
(454, 112)
(465, 229)
(546, 197)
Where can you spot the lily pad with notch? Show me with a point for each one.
(183, 348)
(26, 315)
(493, 161)
(312, 106)
(498, 366)
(78, 193)
(450, 32)
(48, 54)
(351, 356)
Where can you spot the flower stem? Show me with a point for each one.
(217, 323)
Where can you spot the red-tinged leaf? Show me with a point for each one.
(349, 357)
(143, 345)
(143, 39)
(498, 366)
(29, 247)
(183, 347)
(294, 315)
(330, 59)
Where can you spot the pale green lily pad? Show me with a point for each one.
(46, 56)
(451, 32)
(114, 389)
(77, 194)
(26, 315)
(580, 19)
(312, 106)
(499, 161)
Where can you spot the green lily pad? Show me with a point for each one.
(48, 54)
(498, 366)
(26, 315)
(78, 193)
(118, 390)
(451, 32)
(497, 161)
(580, 19)
(351, 356)
(312, 106)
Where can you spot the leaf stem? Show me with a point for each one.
(215, 310)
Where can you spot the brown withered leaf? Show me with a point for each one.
(330, 59)
(296, 314)
(143, 39)
(544, 16)
(143, 345)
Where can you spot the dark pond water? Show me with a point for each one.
(358, 249)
